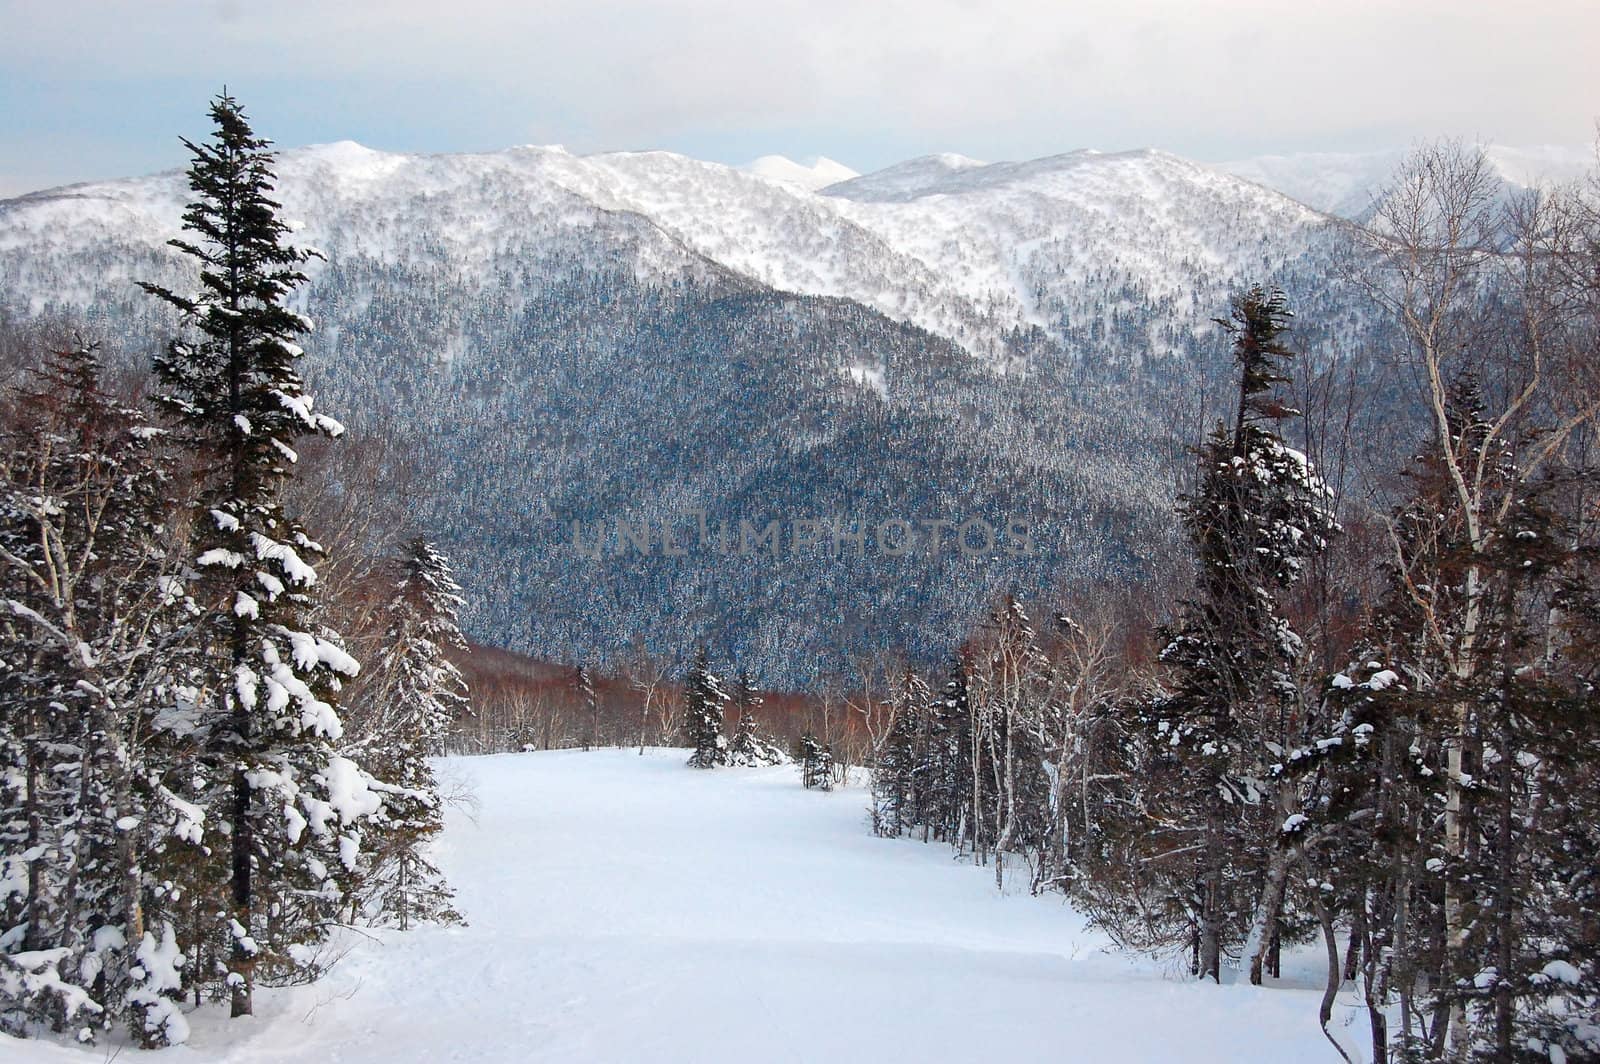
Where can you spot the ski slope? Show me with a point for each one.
(630, 909)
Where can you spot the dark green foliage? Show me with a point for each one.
(816, 763)
(947, 765)
(1213, 796)
(897, 793)
(703, 704)
(749, 746)
(236, 399)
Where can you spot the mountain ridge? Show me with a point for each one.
(1010, 255)
(566, 343)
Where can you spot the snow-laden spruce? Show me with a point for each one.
(283, 810)
(1218, 785)
(750, 747)
(704, 701)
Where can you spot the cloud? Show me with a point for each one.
(1213, 78)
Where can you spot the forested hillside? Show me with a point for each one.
(646, 341)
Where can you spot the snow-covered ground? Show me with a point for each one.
(630, 909)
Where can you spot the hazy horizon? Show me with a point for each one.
(94, 94)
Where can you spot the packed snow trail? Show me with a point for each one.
(630, 909)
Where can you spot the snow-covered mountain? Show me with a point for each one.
(969, 251)
(909, 179)
(1069, 240)
(566, 341)
(818, 173)
(1347, 183)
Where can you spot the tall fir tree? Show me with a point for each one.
(950, 757)
(704, 701)
(287, 805)
(1259, 512)
(894, 764)
(899, 778)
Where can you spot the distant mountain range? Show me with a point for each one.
(1348, 184)
(646, 338)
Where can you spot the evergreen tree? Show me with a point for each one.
(268, 768)
(916, 699)
(420, 693)
(589, 705)
(749, 746)
(894, 765)
(704, 700)
(902, 770)
(816, 763)
(949, 760)
(1259, 513)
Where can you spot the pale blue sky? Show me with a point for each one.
(95, 88)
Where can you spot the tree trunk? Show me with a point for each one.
(34, 907)
(1211, 903)
(1009, 806)
(1358, 931)
(241, 961)
(1330, 989)
(1453, 1034)
(1505, 891)
(1268, 908)
(1210, 942)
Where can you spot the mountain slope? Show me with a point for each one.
(1062, 242)
(566, 343)
(969, 251)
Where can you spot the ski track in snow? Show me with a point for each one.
(630, 909)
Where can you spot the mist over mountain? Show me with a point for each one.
(1348, 184)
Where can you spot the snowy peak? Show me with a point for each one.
(969, 251)
(819, 173)
(345, 155)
